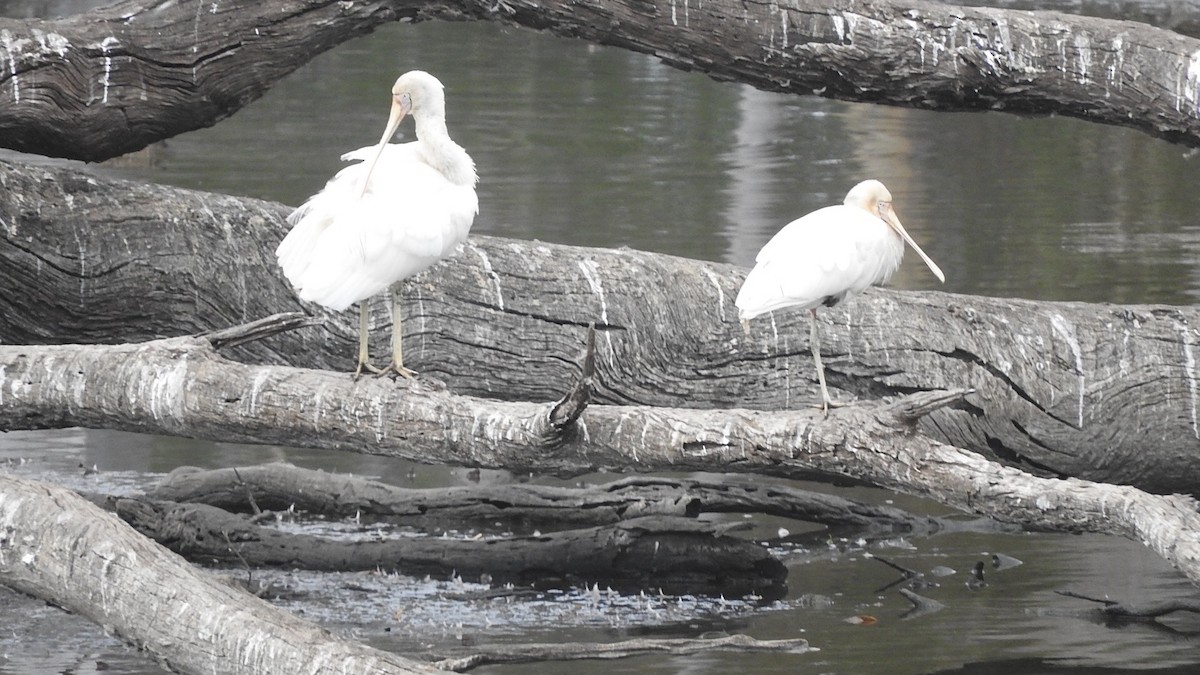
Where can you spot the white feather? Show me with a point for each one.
(821, 257)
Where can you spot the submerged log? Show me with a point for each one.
(283, 487)
(56, 546)
(1100, 392)
(675, 555)
(528, 653)
(114, 80)
(1134, 611)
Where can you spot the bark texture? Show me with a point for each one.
(1181, 16)
(114, 80)
(56, 546)
(99, 85)
(1102, 392)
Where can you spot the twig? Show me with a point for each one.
(1141, 611)
(249, 493)
(915, 406)
(257, 330)
(908, 573)
(566, 412)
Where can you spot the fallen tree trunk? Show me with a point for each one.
(675, 555)
(1101, 392)
(99, 85)
(283, 487)
(180, 386)
(56, 546)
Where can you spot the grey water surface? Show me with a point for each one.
(595, 146)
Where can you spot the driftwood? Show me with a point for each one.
(675, 555)
(283, 487)
(1106, 393)
(181, 386)
(115, 80)
(56, 546)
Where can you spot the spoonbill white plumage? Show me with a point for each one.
(398, 211)
(822, 257)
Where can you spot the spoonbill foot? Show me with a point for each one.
(363, 365)
(393, 369)
(830, 403)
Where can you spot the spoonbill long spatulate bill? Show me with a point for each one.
(826, 255)
(394, 213)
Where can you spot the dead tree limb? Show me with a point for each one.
(99, 85)
(281, 487)
(1138, 611)
(180, 386)
(678, 556)
(1102, 392)
(56, 546)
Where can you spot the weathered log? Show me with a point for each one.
(676, 555)
(56, 546)
(527, 653)
(181, 386)
(1097, 391)
(114, 80)
(283, 487)
(99, 85)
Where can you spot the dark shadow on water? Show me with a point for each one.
(1052, 667)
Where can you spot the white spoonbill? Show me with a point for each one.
(398, 211)
(826, 255)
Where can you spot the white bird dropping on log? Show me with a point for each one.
(399, 210)
(826, 255)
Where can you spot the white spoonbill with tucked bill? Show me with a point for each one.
(826, 255)
(398, 211)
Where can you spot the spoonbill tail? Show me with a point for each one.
(826, 255)
(399, 210)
